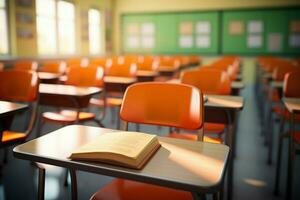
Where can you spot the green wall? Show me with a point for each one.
(167, 31)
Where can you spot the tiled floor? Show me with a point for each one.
(253, 178)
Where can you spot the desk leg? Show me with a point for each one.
(230, 143)
(289, 184)
(41, 187)
(198, 196)
(73, 184)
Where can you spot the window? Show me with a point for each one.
(94, 31)
(55, 27)
(3, 29)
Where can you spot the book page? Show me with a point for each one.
(130, 144)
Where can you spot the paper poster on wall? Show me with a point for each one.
(203, 27)
(203, 41)
(147, 29)
(133, 29)
(186, 41)
(148, 42)
(186, 28)
(133, 42)
(294, 40)
(275, 42)
(255, 26)
(236, 27)
(254, 41)
(295, 26)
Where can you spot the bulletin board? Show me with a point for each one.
(261, 31)
(170, 33)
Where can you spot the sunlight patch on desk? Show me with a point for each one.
(255, 182)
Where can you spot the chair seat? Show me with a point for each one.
(110, 102)
(121, 189)
(9, 136)
(67, 116)
(214, 128)
(190, 136)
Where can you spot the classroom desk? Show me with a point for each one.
(46, 77)
(143, 75)
(66, 95)
(7, 112)
(167, 70)
(117, 84)
(236, 86)
(293, 107)
(192, 166)
(277, 84)
(224, 109)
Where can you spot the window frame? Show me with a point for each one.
(57, 40)
(6, 10)
(100, 33)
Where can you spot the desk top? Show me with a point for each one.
(182, 164)
(237, 85)
(167, 69)
(68, 90)
(277, 84)
(48, 76)
(119, 80)
(224, 102)
(292, 104)
(8, 108)
(234, 84)
(146, 73)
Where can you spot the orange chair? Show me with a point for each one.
(54, 67)
(168, 68)
(290, 89)
(154, 107)
(209, 81)
(25, 65)
(82, 77)
(118, 68)
(100, 62)
(147, 63)
(19, 86)
(1, 66)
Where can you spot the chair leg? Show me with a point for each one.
(279, 152)
(112, 111)
(41, 186)
(5, 155)
(289, 186)
(270, 140)
(41, 123)
(66, 178)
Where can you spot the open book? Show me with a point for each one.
(128, 149)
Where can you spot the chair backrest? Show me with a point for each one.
(209, 81)
(291, 85)
(19, 85)
(148, 63)
(26, 65)
(166, 104)
(168, 61)
(90, 76)
(54, 67)
(280, 71)
(1, 66)
(101, 62)
(122, 70)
